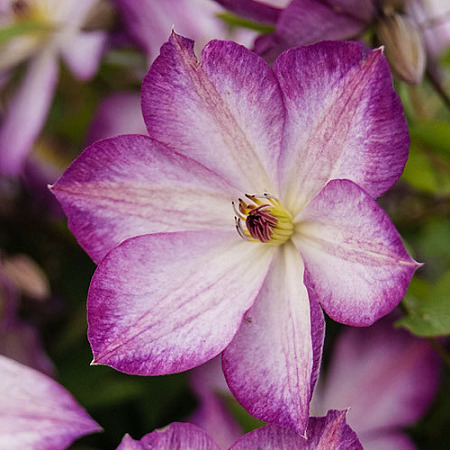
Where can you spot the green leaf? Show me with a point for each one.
(428, 310)
(434, 135)
(426, 173)
(19, 28)
(236, 21)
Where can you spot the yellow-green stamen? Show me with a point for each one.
(263, 219)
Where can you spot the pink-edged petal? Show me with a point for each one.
(332, 432)
(387, 441)
(132, 185)
(324, 433)
(209, 385)
(36, 412)
(165, 303)
(344, 120)
(83, 53)
(386, 376)
(264, 12)
(271, 437)
(305, 22)
(176, 436)
(269, 364)
(120, 113)
(225, 111)
(27, 112)
(355, 260)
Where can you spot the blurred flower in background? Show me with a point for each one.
(386, 377)
(410, 30)
(39, 32)
(20, 276)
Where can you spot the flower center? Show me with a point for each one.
(263, 219)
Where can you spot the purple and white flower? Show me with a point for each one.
(36, 412)
(250, 203)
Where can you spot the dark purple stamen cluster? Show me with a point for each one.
(260, 223)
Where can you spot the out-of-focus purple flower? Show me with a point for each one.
(61, 34)
(409, 29)
(19, 340)
(36, 412)
(302, 150)
(324, 433)
(208, 384)
(149, 22)
(120, 113)
(386, 377)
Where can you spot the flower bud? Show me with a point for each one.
(403, 47)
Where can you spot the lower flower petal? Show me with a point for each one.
(354, 257)
(36, 412)
(324, 433)
(176, 436)
(165, 303)
(269, 364)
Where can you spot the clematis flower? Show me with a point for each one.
(387, 377)
(60, 34)
(411, 30)
(250, 203)
(326, 433)
(36, 412)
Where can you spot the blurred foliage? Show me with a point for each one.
(22, 28)
(234, 21)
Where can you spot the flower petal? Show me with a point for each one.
(165, 303)
(132, 185)
(269, 364)
(209, 385)
(344, 120)
(119, 113)
(305, 22)
(149, 22)
(386, 376)
(83, 53)
(388, 440)
(355, 260)
(176, 436)
(324, 433)
(225, 112)
(27, 112)
(36, 412)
